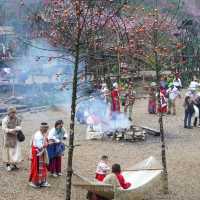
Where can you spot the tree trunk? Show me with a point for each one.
(73, 112)
(162, 136)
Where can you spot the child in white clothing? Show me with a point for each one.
(102, 168)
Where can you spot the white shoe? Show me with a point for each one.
(45, 184)
(54, 175)
(33, 185)
(59, 174)
(9, 169)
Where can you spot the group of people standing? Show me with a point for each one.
(118, 97)
(192, 105)
(46, 152)
(169, 92)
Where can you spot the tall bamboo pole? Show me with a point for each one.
(73, 111)
(158, 69)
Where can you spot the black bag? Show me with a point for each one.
(20, 136)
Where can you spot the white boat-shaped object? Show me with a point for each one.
(144, 176)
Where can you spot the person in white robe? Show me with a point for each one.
(39, 158)
(11, 146)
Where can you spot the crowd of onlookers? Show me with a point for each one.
(170, 90)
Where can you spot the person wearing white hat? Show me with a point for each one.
(192, 93)
(11, 146)
(39, 158)
(194, 84)
(105, 92)
(177, 83)
(173, 94)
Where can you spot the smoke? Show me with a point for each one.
(39, 76)
(44, 74)
(44, 61)
(97, 113)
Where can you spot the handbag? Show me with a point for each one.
(20, 136)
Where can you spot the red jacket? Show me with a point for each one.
(115, 100)
(123, 183)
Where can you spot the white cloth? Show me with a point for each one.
(56, 137)
(177, 82)
(94, 132)
(194, 85)
(173, 93)
(12, 155)
(196, 111)
(38, 140)
(104, 93)
(102, 168)
(52, 135)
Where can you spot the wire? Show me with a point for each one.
(37, 47)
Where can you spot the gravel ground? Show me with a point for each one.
(182, 157)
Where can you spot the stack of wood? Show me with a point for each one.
(135, 134)
(132, 134)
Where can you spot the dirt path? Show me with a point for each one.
(183, 161)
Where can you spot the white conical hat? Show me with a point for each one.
(115, 85)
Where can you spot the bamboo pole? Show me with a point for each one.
(136, 170)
